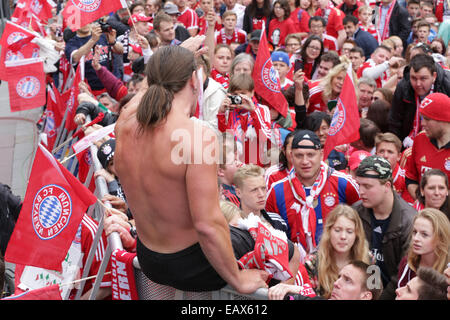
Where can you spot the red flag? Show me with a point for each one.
(344, 126)
(46, 293)
(78, 13)
(54, 115)
(70, 97)
(54, 205)
(26, 83)
(26, 8)
(16, 45)
(267, 82)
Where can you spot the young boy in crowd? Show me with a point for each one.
(281, 63)
(230, 34)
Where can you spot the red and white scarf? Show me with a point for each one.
(385, 34)
(306, 215)
(223, 79)
(271, 251)
(225, 39)
(123, 283)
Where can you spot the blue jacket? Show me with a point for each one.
(366, 41)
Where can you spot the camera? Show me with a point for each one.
(106, 27)
(235, 99)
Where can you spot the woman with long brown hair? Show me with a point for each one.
(342, 241)
(429, 245)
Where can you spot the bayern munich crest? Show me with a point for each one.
(87, 5)
(28, 87)
(52, 208)
(14, 37)
(269, 77)
(338, 120)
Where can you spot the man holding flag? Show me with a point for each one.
(312, 189)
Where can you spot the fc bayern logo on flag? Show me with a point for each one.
(338, 120)
(14, 37)
(52, 208)
(269, 76)
(87, 5)
(28, 87)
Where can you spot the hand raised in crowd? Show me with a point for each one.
(299, 79)
(193, 43)
(96, 32)
(96, 60)
(60, 46)
(115, 202)
(143, 42)
(111, 36)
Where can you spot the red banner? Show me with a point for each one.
(16, 45)
(344, 126)
(78, 13)
(267, 81)
(54, 115)
(46, 293)
(54, 204)
(26, 84)
(123, 283)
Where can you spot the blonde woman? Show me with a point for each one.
(329, 88)
(429, 245)
(342, 241)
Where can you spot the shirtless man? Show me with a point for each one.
(183, 238)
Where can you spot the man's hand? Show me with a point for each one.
(79, 119)
(95, 62)
(193, 43)
(111, 36)
(96, 32)
(143, 42)
(116, 202)
(250, 280)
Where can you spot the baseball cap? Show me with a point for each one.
(170, 8)
(380, 165)
(436, 106)
(106, 152)
(280, 56)
(306, 135)
(255, 35)
(356, 158)
(137, 18)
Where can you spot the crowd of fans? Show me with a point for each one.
(381, 200)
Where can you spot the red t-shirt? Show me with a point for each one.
(188, 18)
(238, 36)
(334, 21)
(425, 156)
(300, 18)
(316, 102)
(278, 30)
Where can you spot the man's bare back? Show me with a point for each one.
(159, 200)
(175, 202)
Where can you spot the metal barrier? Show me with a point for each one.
(147, 289)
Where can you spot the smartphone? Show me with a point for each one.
(298, 65)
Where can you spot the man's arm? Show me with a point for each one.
(96, 32)
(211, 226)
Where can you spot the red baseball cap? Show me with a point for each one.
(356, 158)
(137, 18)
(436, 106)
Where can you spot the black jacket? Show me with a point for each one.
(395, 239)
(399, 24)
(10, 206)
(88, 108)
(403, 110)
